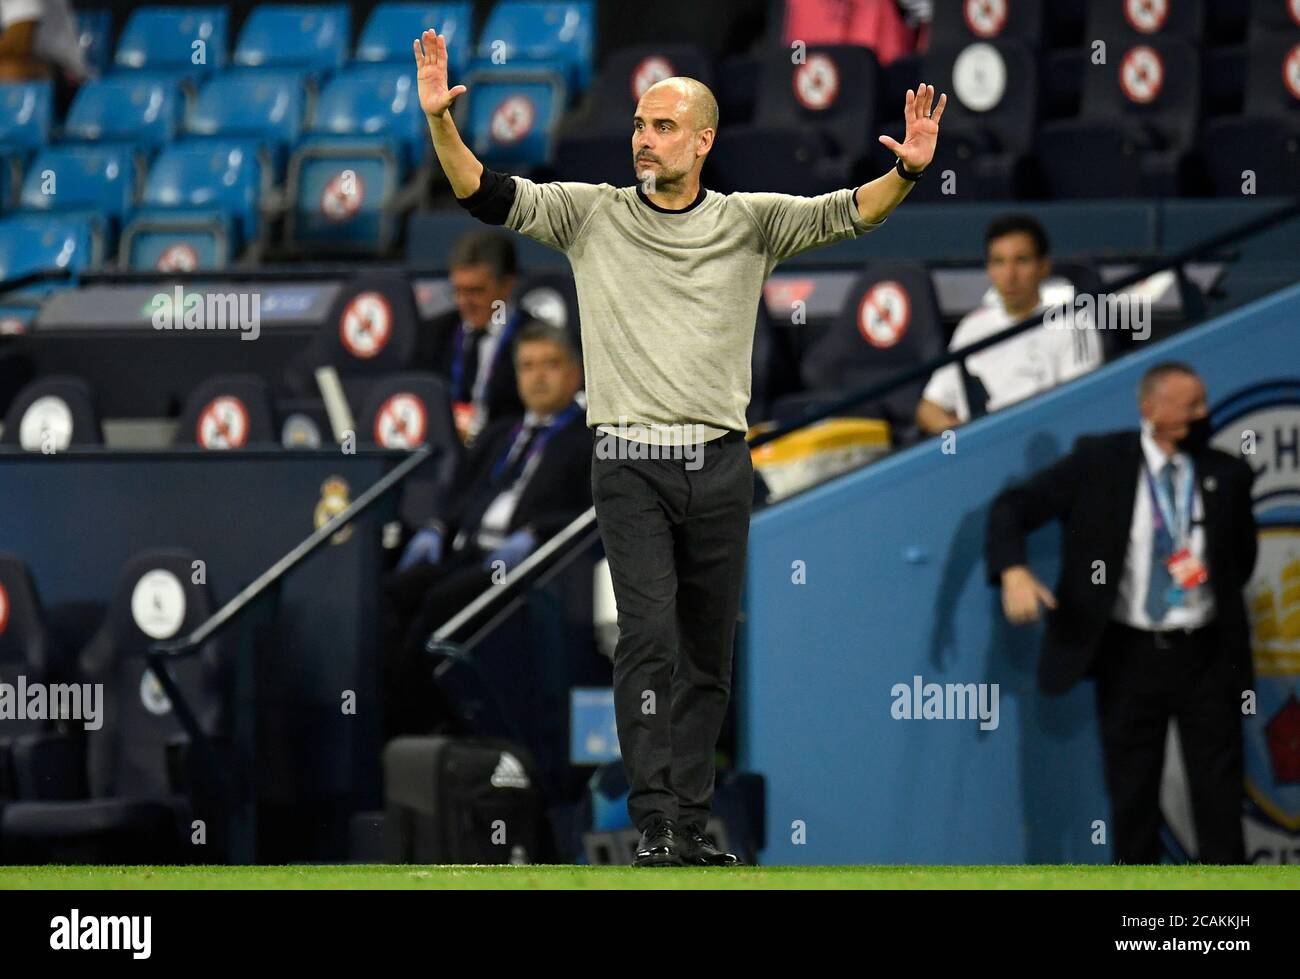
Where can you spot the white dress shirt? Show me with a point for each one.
(487, 349)
(1130, 604)
(1036, 360)
(492, 529)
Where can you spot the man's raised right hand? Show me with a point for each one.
(431, 61)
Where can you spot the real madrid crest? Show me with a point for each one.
(333, 501)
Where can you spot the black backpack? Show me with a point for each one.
(461, 801)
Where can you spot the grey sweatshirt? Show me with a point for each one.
(668, 299)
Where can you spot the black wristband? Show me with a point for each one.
(492, 201)
(902, 172)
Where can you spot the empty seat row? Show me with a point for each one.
(237, 411)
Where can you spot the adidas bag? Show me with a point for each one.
(460, 801)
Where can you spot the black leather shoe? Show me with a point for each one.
(660, 846)
(699, 851)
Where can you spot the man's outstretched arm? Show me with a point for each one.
(875, 200)
(461, 166)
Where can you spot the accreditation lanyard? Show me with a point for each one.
(1163, 514)
(539, 443)
(458, 359)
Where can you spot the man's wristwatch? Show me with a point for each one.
(902, 172)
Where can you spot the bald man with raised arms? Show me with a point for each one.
(669, 276)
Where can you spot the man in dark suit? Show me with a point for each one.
(1158, 544)
(469, 347)
(522, 481)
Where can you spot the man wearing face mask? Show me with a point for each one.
(1158, 544)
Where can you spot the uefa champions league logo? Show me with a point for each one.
(1261, 424)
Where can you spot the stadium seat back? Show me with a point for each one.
(340, 195)
(156, 598)
(214, 175)
(512, 122)
(628, 72)
(82, 177)
(26, 111)
(1273, 78)
(780, 160)
(369, 332)
(551, 297)
(34, 242)
(535, 30)
(889, 321)
(268, 105)
(1268, 18)
(24, 639)
(290, 35)
(1154, 85)
(165, 246)
(392, 27)
(834, 89)
(1130, 21)
(373, 100)
(231, 411)
(52, 414)
(95, 38)
(130, 108)
(406, 410)
(964, 21)
(174, 37)
(992, 89)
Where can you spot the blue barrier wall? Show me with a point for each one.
(892, 557)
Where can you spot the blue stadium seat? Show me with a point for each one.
(36, 242)
(263, 107)
(542, 34)
(982, 20)
(367, 124)
(378, 102)
(26, 111)
(1130, 21)
(98, 183)
(510, 119)
(316, 37)
(392, 27)
(1143, 109)
(167, 39)
(136, 109)
(95, 36)
(201, 198)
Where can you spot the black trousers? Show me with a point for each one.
(1139, 688)
(675, 532)
(412, 605)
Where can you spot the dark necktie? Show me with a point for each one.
(469, 363)
(519, 452)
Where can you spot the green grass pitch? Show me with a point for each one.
(556, 877)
